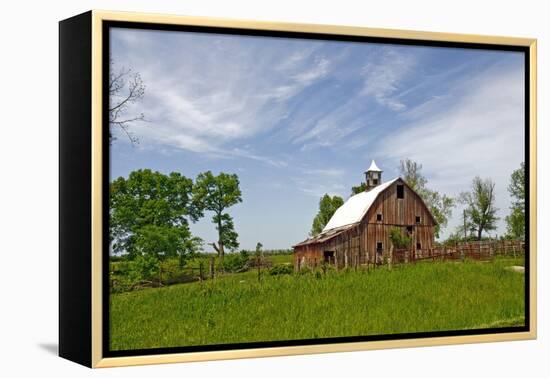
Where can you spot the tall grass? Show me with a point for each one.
(237, 308)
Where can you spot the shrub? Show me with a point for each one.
(281, 269)
(143, 268)
(235, 262)
(305, 270)
(126, 275)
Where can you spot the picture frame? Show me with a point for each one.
(84, 144)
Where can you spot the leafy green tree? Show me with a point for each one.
(480, 206)
(440, 205)
(516, 220)
(150, 214)
(327, 206)
(217, 194)
(359, 188)
(163, 241)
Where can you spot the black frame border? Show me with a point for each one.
(107, 25)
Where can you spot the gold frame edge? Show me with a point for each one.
(98, 16)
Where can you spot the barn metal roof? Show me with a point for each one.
(355, 208)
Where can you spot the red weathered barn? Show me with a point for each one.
(358, 232)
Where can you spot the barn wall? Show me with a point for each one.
(399, 213)
(345, 246)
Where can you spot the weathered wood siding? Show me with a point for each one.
(346, 248)
(399, 213)
(358, 245)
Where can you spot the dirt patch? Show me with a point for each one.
(516, 268)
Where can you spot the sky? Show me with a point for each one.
(297, 118)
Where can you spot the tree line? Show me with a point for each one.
(480, 213)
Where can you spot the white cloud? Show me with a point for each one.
(480, 133)
(383, 76)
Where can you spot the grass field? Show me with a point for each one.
(431, 296)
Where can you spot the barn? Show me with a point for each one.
(358, 232)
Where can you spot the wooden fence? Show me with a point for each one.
(479, 250)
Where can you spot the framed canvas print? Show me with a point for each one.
(235, 189)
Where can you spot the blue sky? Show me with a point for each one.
(299, 118)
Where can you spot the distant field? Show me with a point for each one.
(235, 308)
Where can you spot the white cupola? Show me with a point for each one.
(373, 176)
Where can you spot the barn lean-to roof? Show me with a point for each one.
(325, 235)
(351, 213)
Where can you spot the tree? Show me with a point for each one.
(516, 220)
(399, 239)
(359, 188)
(327, 206)
(259, 247)
(125, 88)
(217, 194)
(440, 205)
(480, 206)
(410, 173)
(150, 214)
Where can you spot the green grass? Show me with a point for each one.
(430, 296)
(280, 258)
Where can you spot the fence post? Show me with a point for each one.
(390, 260)
(259, 263)
(160, 274)
(212, 268)
(201, 274)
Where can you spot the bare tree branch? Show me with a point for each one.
(125, 88)
(215, 247)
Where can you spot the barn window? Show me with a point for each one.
(417, 219)
(375, 181)
(379, 247)
(418, 245)
(410, 229)
(400, 192)
(328, 256)
(379, 217)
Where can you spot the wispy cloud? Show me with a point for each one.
(383, 76)
(319, 181)
(202, 100)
